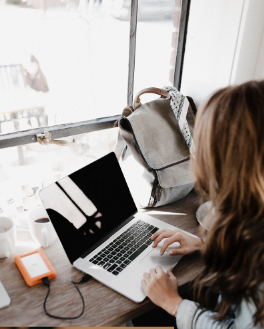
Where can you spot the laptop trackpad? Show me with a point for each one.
(153, 259)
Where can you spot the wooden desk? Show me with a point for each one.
(103, 306)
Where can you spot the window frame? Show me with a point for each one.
(71, 129)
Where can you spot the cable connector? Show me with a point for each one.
(85, 278)
(46, 281)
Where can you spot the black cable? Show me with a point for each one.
(46, 281)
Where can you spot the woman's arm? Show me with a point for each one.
(162, 289)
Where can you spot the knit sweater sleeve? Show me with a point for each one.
(190, 317)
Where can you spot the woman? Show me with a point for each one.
(229, 168)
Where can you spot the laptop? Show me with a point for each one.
(100, 228)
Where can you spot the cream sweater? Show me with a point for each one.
(188, 314)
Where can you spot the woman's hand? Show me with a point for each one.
(188, 243)
(162, 289)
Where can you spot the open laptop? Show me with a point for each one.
(100, 229)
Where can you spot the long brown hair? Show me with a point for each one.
(229, 167)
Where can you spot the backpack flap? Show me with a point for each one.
(157, 134)
(180, 174)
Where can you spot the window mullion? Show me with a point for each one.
(185, 10)
(132, 51)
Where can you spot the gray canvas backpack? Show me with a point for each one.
(154, 145)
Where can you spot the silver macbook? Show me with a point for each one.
(100, 229)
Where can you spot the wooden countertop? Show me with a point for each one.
(103, 306)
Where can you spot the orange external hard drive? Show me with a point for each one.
(34, 266)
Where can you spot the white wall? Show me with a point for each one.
(259, 71)
(223, 45)
(249, 42)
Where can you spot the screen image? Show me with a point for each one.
(86, 205)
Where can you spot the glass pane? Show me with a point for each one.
(155, 44)
(61, 61)
(25, 168)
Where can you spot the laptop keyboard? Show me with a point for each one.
(118, 254)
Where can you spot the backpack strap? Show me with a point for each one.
(180, 105)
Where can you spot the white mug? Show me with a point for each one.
(7, 237)
(41, 231)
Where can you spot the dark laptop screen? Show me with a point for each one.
(86, 205)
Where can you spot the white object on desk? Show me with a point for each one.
(4, 298)
(7, 237)
(34, 265)
(43, 233)
(202, 213)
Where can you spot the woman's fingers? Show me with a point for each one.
(172, 276)
(158, 239)
(146, 276)
(155, 235)
(174, 252)
(161, 236)
(159, 270)
(170, 273)
(152, 272)
(175, 238)
(145, 286)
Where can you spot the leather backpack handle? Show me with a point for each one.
(152, 90)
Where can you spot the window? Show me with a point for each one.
(69, 67)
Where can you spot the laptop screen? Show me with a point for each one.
(86, 205)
